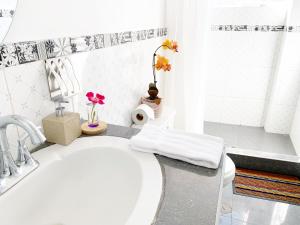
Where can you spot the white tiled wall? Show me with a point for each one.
(295, 64)
(4, 96)
(295, 131)
(123, 79)
(27, 85)
(121, 73)
(5, 109)
(241, 66)
(286, 88)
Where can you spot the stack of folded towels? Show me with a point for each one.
(197, 149)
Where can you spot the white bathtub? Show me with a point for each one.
(93, 181)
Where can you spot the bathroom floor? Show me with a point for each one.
(252, 138)
(254, 211)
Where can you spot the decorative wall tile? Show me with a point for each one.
(165, 31)
(257, 28)
(125, 37)
(107, 41)
(114, 39)
(135, 36)
(6, 13)
(214, 27)
(82, 44)
(42, 51)
(293, 28)
(150, 33)
(8, 55)
(99, 41)
(25, 52)
(58, 47)
(142, 35)
(161, 32)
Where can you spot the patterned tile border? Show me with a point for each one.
(6, 13)
(13, 54)
(256, 28)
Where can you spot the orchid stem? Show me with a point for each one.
(153, 62)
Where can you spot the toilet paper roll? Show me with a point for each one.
(142, 114)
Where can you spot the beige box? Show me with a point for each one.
(63, 129)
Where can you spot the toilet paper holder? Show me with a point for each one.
(142, 114)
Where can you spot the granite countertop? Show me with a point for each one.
(191, 194)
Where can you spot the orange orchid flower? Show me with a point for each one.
(162, 63)
(174, 46)
(169, 44)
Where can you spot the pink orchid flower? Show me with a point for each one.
(98, 99)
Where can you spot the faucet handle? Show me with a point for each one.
(24, 156)
(7, 165)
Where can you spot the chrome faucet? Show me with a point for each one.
(8, 167)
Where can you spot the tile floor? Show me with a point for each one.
(254, 138)
(255, 211)
(248, 210)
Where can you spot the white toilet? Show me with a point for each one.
(229, 174)
(229, 171)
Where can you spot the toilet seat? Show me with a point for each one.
(229, 171)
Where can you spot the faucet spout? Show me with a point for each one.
(35, 134)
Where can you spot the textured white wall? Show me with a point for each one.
(295, 131)
(286, 80)
(36, 19)
(285, 87)
(294, 49)
(241, 65)
(121, 73)
(6, 21)
(123, 78)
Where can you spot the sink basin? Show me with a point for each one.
(93, 181)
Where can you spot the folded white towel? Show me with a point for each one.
(201, 150)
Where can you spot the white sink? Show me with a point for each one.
(93, 181)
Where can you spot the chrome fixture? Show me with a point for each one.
(24, 156)
(59, 110)
(10, 171)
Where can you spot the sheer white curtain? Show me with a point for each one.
(188, 23)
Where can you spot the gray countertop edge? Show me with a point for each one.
(191, 194)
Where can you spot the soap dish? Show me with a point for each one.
(93, 130)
